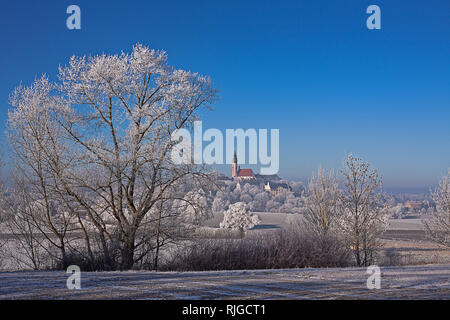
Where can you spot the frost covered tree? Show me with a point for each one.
(219, 205)
(245, 197)
(36, 140)
(397, 211)
(27, 249)
(297, 187)
(438, 226)
(363, 216)
(238, 217)
(260, 200)
(101, 136)
(321, 200)
(193, 208)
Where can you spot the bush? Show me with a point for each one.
(276, 250)
(80, 260)
(77, 255)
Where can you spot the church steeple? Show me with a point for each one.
(234, 170)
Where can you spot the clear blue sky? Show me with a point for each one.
(310, 68)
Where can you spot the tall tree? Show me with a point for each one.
(102, 135)
(363, 215)
(321, 200)
(438, 227)
(36, 141)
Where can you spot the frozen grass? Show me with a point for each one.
(412, 282)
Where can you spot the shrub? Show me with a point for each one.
(276, 250)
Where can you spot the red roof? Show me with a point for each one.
(245, 173)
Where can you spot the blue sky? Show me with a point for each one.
(309, 68)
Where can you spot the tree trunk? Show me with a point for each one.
(65, 263)
(128, 253)
(107, 256)
(155, 264)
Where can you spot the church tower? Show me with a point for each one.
(234, 169)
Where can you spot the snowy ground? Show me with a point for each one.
(412, 282)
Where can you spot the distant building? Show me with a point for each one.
(271, 183)
(276, 187)
(238, 173)
(413, 205)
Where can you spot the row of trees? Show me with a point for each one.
(257, 199)
(355, 209)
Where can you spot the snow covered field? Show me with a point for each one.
(273, 220)
(412, 282)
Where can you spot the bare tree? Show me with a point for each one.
(438, 227)
(321, 200)
(363, 215)
(167, 224)
(25, 244)
(99, 140)
(33, 136)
